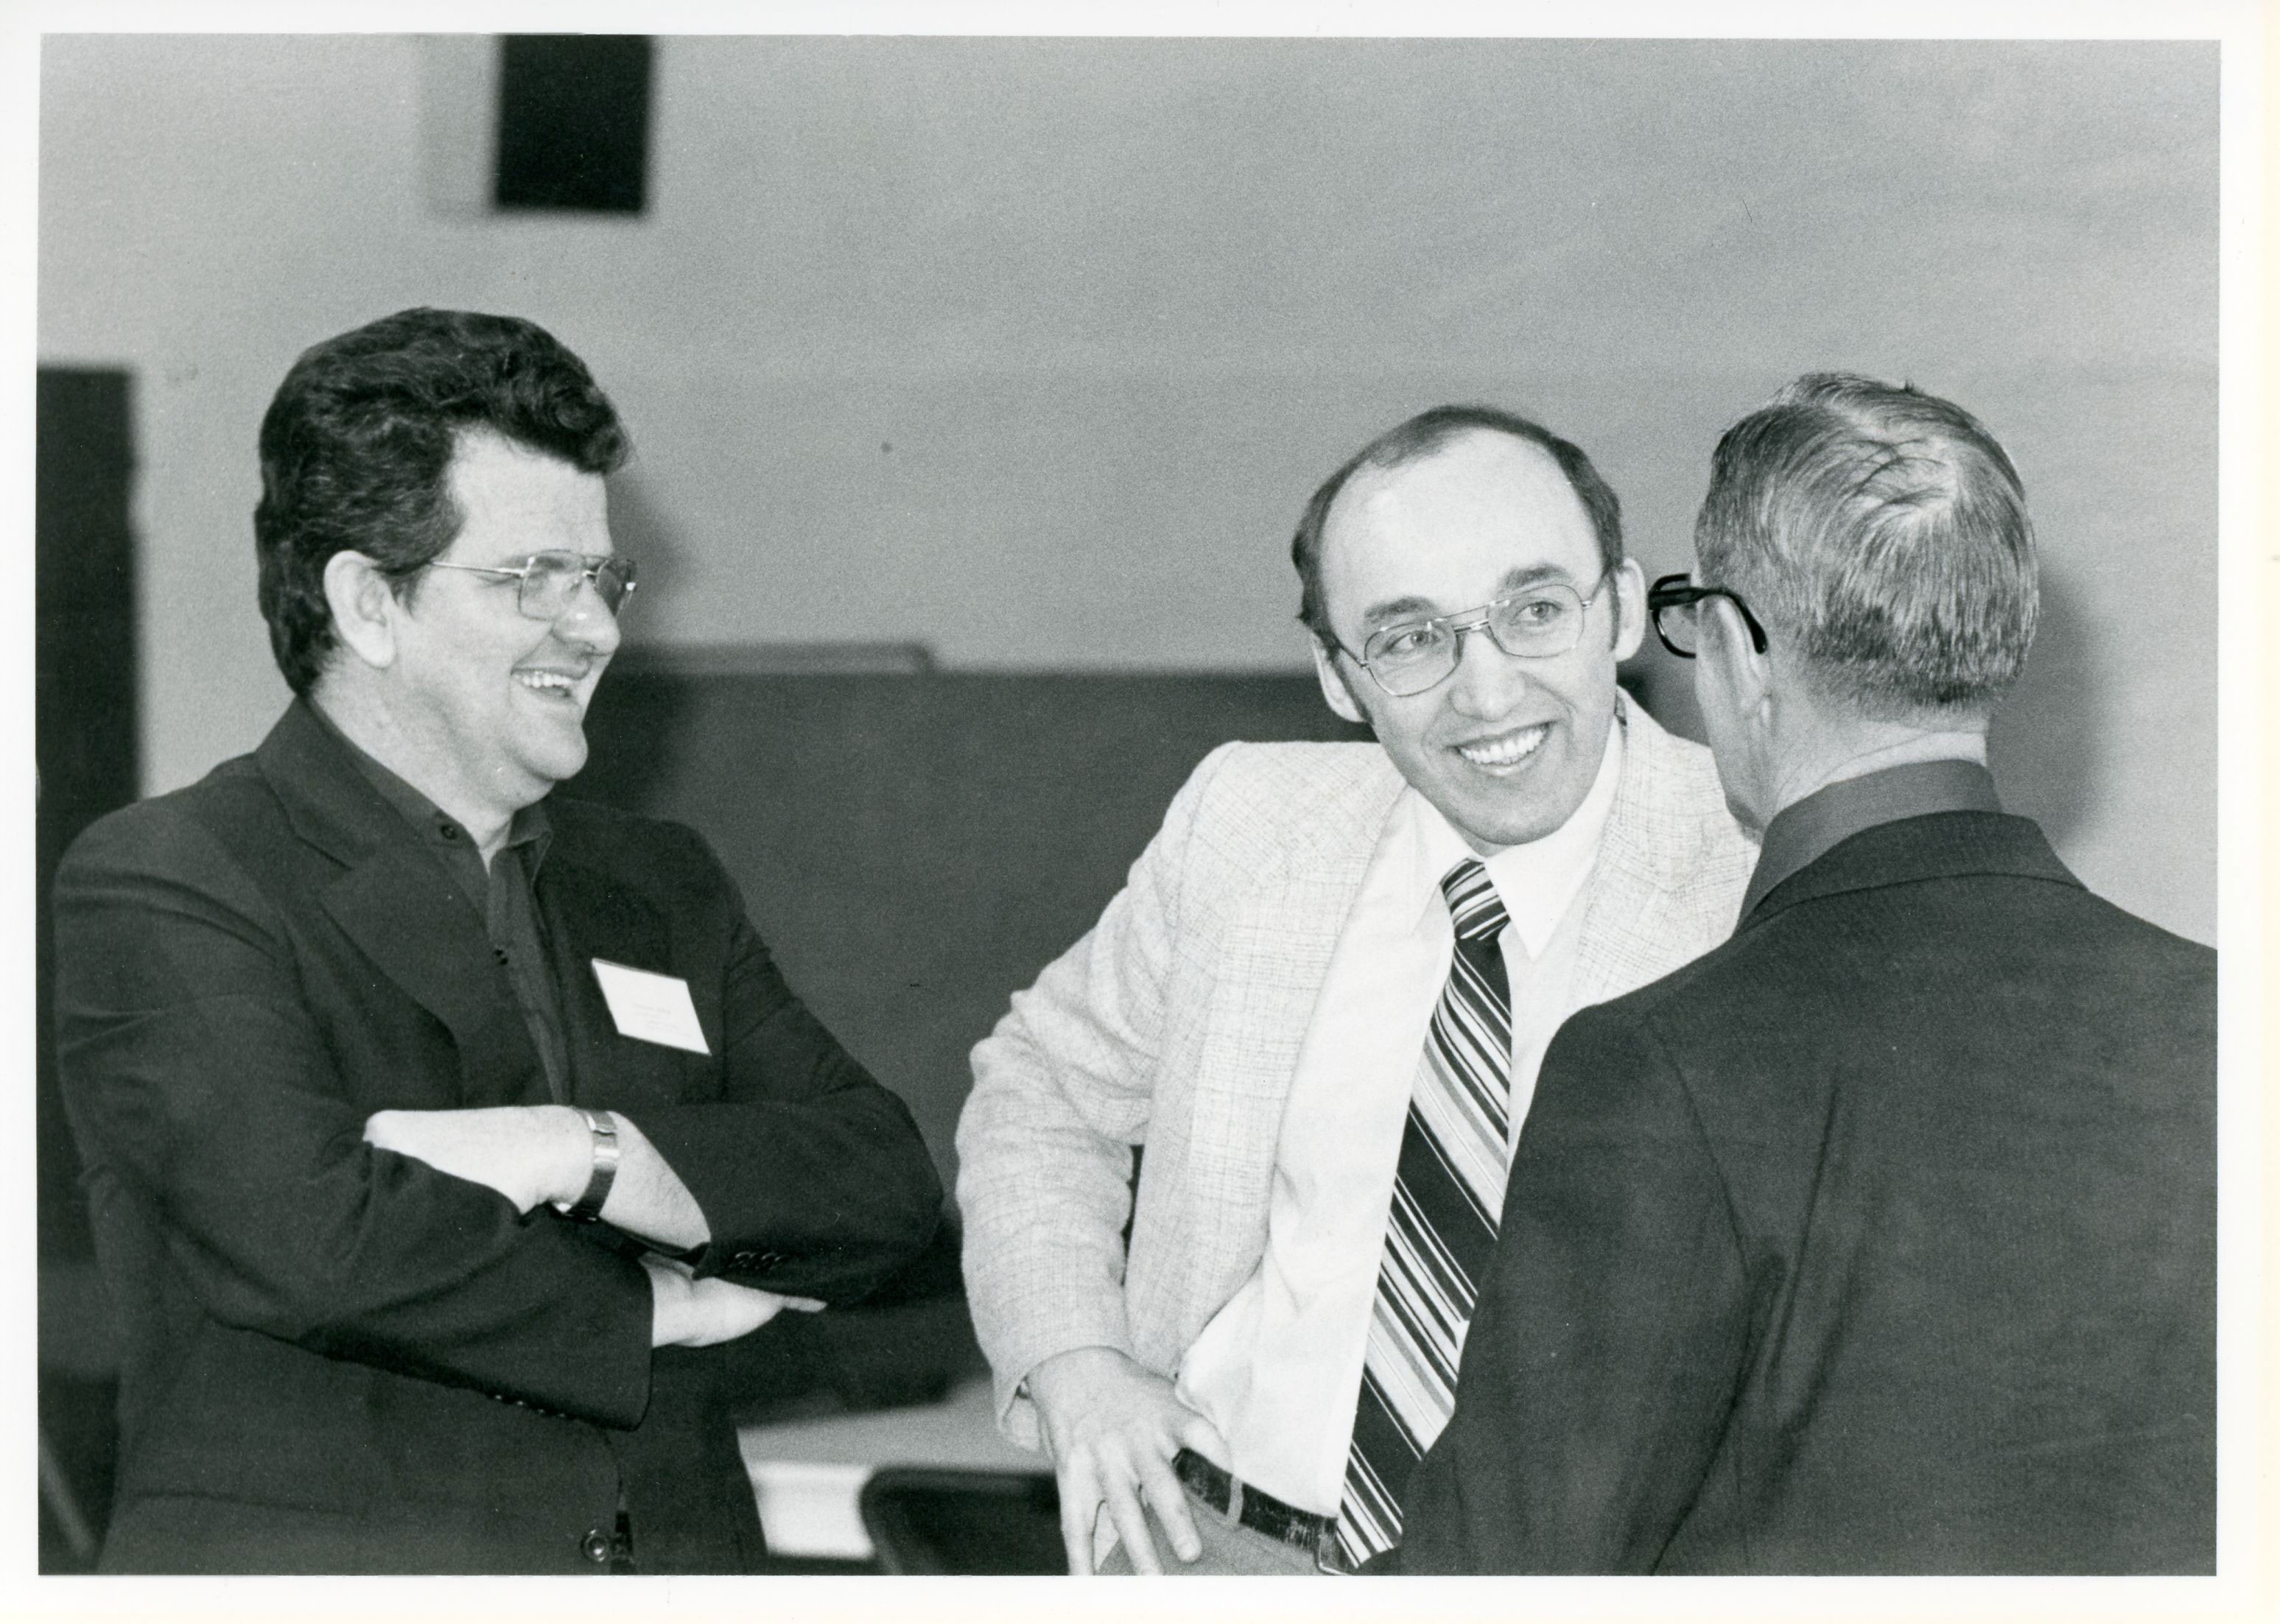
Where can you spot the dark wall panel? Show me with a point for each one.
(85, 746)
(84, 707)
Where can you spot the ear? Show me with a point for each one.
(1336, 694)
(1630, 608)
(363, 607)
(1729, 658)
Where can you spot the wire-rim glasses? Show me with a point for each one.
(547, 582)
(1673, 604)
(1537, 622)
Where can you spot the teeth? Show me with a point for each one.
(1503, 752)
(545, 680)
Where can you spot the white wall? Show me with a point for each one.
(1031, 350)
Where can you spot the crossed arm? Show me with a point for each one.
(532, 1154)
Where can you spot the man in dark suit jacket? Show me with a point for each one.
(1881, 1239)
(435, 1129)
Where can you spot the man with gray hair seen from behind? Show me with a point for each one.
(1881, 1239)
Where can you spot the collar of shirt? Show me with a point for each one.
(1538, 879)
(530, 828)
(1802, 833)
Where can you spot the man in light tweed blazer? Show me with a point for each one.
(1282, 1009)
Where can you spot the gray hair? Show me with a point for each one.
(1886, 531)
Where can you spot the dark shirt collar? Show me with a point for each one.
(428, 820)
(1802, 832)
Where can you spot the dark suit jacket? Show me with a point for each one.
(338, 1358)
(1880, 1240)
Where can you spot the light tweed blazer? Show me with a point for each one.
(1176, 1022)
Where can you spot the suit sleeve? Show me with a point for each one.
(1063, 1090)
(1609, 1340)
(197, 1079)
(812, 1176)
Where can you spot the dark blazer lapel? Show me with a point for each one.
(402, 910)
(589, 915)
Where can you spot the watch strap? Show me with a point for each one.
(604, 1130)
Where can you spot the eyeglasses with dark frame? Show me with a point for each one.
(1672, 603)
(547, 582)
(1537, 623)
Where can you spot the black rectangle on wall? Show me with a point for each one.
(573, 122)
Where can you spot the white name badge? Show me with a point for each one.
(654, 1008)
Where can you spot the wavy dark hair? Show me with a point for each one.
(356, 451)
(1419, 437)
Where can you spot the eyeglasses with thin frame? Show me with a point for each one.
(547, 582)
(1537, 623)
(1673, 604)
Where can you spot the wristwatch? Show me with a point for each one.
(588, 1207)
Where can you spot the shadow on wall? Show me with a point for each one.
(1664, 684)
(2046, 748)
(640, 529)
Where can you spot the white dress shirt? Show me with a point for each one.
(1278, 1369)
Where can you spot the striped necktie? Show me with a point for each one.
(1448, 1191)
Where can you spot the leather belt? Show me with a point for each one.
(1261, 1513)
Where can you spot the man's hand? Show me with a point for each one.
(688, 1313)
(1113, 1428)
(528, 1153)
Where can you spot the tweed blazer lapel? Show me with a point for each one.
(1638, 924)
(1283, 934)
(1289, 929)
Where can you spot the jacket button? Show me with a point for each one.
(596, 1546)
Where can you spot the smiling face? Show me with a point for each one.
(1506, 748)
(487, 706)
